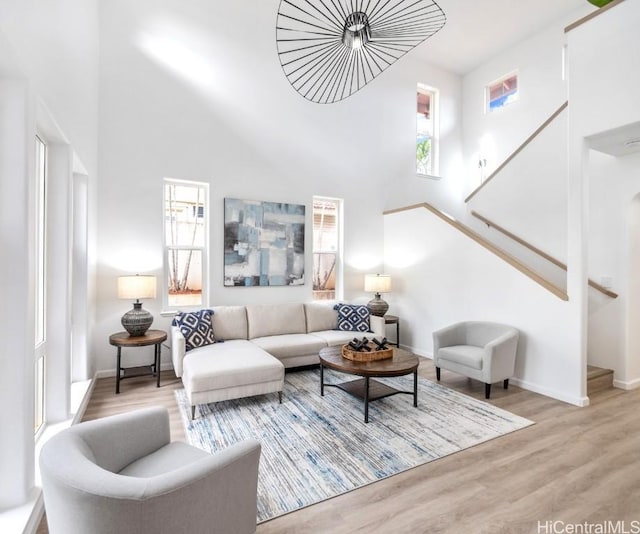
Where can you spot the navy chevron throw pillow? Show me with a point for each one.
(196, 327)
(352, 318)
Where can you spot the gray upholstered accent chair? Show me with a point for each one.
(122, 474)
(477, 349)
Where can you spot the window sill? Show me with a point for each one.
(429, 176)
(27, 517)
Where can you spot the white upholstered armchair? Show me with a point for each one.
(121, 474)
(477, 349)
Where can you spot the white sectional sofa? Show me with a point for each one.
(254, 344)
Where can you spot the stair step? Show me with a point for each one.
(598, 379)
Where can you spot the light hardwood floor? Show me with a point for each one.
(574, 465)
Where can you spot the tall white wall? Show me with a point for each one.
(598, 55)
(529, 199)
(225, 114)
(56, 46)
(16, 287)
(586, 220)
(445, 277)
(529, 196)
(447, 189)
(48, 83)
(538, 60)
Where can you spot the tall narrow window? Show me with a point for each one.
(502, 92)
(427, 131)
(327, 261)
(186, 244)
(40, 281)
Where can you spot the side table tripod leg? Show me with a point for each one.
(118, 355)
(157, 360)
(321, 380)
(415, 388)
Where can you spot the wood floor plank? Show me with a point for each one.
(574, 465)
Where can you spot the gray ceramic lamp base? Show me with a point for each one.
(377, 306)
(137, 321)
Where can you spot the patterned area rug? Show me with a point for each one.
(314, 448)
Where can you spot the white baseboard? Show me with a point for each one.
(530, 386)
(627, 384)
(82, 406)
(418, 352)
(548, 392)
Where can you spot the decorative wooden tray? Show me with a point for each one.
(364, 356)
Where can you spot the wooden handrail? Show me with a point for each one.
(518, 150)
(540, 253)
(549, 286)
(590, 16)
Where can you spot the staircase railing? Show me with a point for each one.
(539, 252)
(590, 16)
(518, 150)
(549, 286)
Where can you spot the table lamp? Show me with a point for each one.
(377, 283)
(137, 321)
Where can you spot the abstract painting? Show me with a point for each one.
(263, 243)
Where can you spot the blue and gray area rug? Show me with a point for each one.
(314, 448)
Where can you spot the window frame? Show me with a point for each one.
(204, 249)
(487, 92)
(434, 111)
(40, 284)
(339, 267)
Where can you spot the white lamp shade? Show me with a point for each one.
(377, 283)
(136, 287)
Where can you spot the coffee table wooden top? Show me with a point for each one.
(402, 363)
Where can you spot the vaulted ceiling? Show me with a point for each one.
(476, 30)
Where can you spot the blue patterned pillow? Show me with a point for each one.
(196, 327)
(352, 318)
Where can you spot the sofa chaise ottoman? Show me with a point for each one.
(254, 344)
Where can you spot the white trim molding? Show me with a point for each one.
(627, 384)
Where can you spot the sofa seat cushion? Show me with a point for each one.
(229, 364)
(172, 456)
(289, 345)
(466, 355)
(339, 337)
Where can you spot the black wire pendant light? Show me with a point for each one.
(330, 49)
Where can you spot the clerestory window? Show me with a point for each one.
(502, 92)
(427, 131)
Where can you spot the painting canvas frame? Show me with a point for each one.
(263, 243)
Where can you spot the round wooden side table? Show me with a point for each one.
(123, 339)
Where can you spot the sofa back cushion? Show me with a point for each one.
(275, 319)
(230, 322)
(321, 316)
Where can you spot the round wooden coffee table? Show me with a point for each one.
(402, 363)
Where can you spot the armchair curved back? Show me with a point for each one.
(122, 474)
